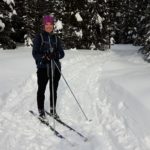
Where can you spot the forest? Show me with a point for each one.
(84, 24)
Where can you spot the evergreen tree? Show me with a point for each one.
(147, 29)
(85, 24)
(6, 12)
(144, 37)
(71, 24)
(124, 17)
(29, 20)
(141, 21)
(18, 22)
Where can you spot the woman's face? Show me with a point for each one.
(48, 27)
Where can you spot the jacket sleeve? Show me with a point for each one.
(37, 55)
(61, 52)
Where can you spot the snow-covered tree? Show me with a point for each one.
(144, 34)
(71, 28)
(124, 17)
(141, 6)
(18, 22)
(147, 29)
(6, 12)
(29, 20)
(85, 24)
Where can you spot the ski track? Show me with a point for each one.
(108, 128)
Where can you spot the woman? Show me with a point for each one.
(47, 51)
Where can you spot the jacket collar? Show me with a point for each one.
(46, 33)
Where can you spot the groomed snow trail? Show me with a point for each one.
(94, 85)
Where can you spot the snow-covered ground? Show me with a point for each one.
(112, 88)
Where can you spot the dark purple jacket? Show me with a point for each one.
(50, 41)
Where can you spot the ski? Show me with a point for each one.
(52, 129)
(69, 127)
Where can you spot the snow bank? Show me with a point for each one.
(112, 88)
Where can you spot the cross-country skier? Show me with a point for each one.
(47, 47)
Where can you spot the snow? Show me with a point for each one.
(112, 87)
(14, 12)
(28, 41)
(91, 1)
(58, 25)
(78, 17)
(112, 40)
(1, 15)
(79, 33)
(9, 1)
(2, 26)
(118, 14)
(99, 21)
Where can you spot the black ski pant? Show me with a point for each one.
(42, 79)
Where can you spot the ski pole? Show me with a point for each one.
(52, 85)
(71, 91)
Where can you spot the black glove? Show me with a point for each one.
(48, 56)
(51, 55)
(45, 60)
